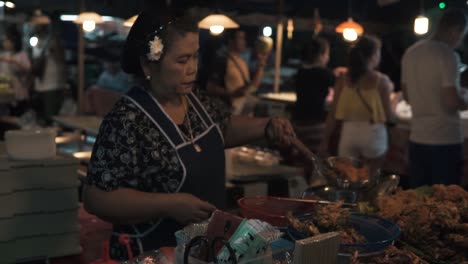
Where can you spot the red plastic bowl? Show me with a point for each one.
(271, 209)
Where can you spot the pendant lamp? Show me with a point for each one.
(129, 22)
(350, 29)
(216, 23)
(39, 19)
(421, 22)
(7, 4)
(89, 20)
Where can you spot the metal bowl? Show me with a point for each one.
(331, 193)
(357, 176)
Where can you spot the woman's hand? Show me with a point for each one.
(279, 130)
(186, 208)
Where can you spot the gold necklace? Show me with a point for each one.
(195, 145)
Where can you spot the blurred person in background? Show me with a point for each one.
(49, 71)
(112, 77)
(430, 80)
(16, 66)
(312, 83)
(362, 104)
(229, 77)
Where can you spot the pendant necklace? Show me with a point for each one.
(195, 145)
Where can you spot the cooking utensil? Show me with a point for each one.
(331, 194)
(299, 200)
(320, 167)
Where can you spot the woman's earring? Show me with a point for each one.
(148, 77)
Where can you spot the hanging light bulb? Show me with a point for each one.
(216, 29)
(89, 20)
(350, 34)
(89, 25)
(421, 25)
(267, 31)
(7, 4)
(290, 28)
(421, 22)
(33, 41)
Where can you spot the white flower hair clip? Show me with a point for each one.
(156, 49)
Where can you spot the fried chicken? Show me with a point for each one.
(435, 221)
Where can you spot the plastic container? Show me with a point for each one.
(379, 233)
(34, 144)
(271, 209)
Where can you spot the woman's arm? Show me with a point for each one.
(257, 75)
(22, 62)
(385, 87)
(242, 130)
(128, 206)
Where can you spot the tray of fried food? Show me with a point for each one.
(434, 220)
(367, 234)
(392, 255)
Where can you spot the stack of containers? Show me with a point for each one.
(39, 209)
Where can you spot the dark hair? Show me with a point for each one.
(453, 17)
(314, 48)
(145, 28)
(360, 54)
(14, 36)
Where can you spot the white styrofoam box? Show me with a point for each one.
(57, 172)
(40, 246)
(38, 201)
(27, 225)
(31, 144)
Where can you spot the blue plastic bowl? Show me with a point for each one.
(379, 233)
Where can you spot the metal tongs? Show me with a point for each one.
(320, 167)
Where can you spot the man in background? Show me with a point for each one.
(431, 84)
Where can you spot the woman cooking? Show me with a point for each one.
(158, 161)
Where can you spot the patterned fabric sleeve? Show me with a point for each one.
(114, 162)
(216, 108)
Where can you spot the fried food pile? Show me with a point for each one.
(433, 220)
(327, 218)
(392, 255)
(344, 168)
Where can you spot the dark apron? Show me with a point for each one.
(204, 174)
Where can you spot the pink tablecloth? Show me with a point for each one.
(93, 233)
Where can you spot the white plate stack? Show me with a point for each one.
(39, 208)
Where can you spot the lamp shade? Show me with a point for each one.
(217, 20)
(350, 24)
(88, 16)
(129, 22)
(39, 19)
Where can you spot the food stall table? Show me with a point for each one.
(88, 125)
